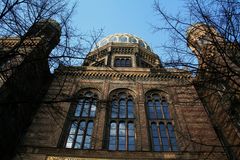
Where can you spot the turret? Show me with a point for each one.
(202, 40)
(49, 29)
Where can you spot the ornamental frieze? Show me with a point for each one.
(124, 75)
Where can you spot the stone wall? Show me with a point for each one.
(195, 134)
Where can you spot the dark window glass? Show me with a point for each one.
(122, 107)
(141, 43)
(155, 137)
(165, 110)
(113, 136)
(151, 110)
(128, 63)
(122, 130)
(114, 109)
(130, 109)
(172, 137)
(88, 137)
(71, 135)
(78, 110)
(80, 133)
(122, 136)
(131, 137)
(123, 62)
(132, 40)
(86, 107)
(117, 63)
(158, 109)
(164, 137)
(123, 39)
(162, 132)
(93, 108)
(80, 138)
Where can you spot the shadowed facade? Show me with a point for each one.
(121, 104)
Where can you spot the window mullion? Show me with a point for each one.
(126, 135)
(117, 138)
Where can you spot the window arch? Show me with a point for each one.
(123, 39)
(81, 121)
(160, 123)
(121, 122)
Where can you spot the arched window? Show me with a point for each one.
(123, 39)
(121, 123)
(81, 117)
(160, 123)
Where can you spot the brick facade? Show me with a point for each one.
(196, 137)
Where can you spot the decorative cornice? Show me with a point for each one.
(123, 49)
(10, 42)
(123, 74)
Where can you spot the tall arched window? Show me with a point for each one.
(81, 117)
(121, 122)
(160, 123)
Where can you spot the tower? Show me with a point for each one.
(121, 104)
(217, 83)
(24, 80)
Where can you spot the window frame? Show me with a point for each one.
(71, 118)
(126, 120)
(163, 120)
(121, 61)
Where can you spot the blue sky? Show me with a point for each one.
(124, 16)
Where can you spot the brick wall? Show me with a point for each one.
(195, 134)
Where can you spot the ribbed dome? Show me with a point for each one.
(122, 38)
